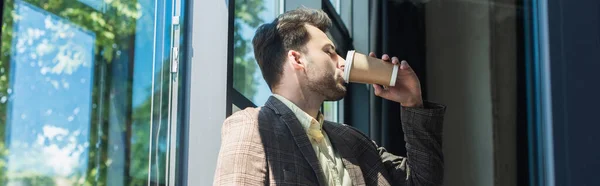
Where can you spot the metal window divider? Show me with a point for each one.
(173, 95)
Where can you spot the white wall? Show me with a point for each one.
(458, 74)
(208, 69)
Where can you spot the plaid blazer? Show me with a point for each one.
(268, 146)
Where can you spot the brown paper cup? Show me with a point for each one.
(361, 68)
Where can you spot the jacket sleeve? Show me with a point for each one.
(424, 164)
(241, 158)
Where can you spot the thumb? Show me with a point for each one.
(379, 91)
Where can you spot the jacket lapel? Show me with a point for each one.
(343, 145)
(299, 135)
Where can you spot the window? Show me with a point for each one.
(330, 111)
(247, 77)
(84, 92)
(337, 5)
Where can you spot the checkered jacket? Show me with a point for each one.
(268, 146)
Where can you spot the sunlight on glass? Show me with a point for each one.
(63, 52)
(76, 92)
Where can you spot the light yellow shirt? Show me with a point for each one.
(331, 163)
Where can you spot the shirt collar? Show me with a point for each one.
(305, 119)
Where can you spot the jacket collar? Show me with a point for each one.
(299, 135)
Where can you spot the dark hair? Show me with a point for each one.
(287, 32)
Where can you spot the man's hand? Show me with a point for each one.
(407, 90)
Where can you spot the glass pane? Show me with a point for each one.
(484, 40)
(234, 108)
(330, 111)
(336, 5)
(84, 92)
(247, 77)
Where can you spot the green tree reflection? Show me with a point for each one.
(111, 28)
(114, 28)
(244, 67)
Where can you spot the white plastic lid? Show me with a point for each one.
(349, 59)
(394, 75)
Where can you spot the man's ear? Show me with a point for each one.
(296, 59)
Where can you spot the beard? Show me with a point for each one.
(327, 84)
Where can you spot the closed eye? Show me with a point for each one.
(329, 50)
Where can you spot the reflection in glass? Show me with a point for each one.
(98, 5)
(336, 5)
(51, 64)
(330, 111)
(247, 78)
(83, 92)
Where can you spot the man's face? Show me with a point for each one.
(324, 67)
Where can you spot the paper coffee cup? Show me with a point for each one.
(361, 68)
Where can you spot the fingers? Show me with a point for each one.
(385, 57)
(404, 65)
(395, 61)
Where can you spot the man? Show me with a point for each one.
(287, 141)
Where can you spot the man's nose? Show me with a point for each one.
(341, 63)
